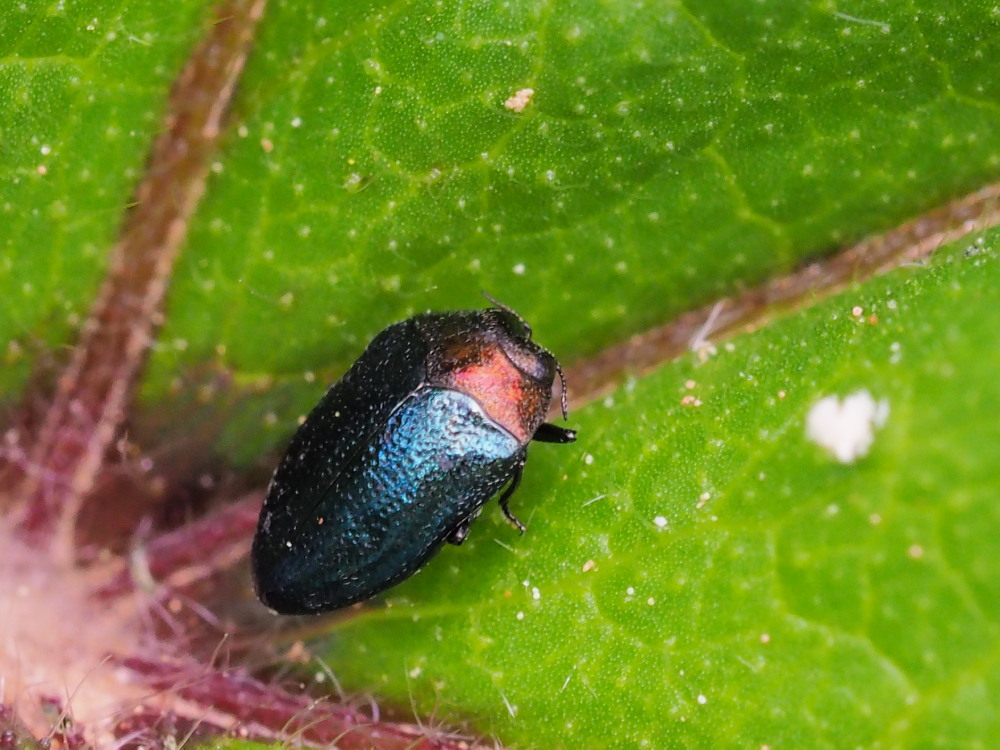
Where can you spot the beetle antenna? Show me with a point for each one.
(562, 390)
(508, 309)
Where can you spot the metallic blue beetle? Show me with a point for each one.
(400, 456)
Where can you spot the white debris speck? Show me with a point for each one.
(519, 269)
(846, 428)
(895, 352)
(702, 700)
(535, 593)
(660, 522)
(519, 100)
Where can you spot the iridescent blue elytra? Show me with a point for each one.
(400, 455)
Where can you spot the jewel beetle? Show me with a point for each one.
(401, 454)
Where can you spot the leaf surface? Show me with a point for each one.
(82, 90)
(669, 154)
(699, 573)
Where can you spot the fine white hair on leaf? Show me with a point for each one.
(846, 428)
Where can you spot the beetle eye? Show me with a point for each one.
(516, 325)
(526, 355)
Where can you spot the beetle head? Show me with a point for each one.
(532, 360)
(514, 338)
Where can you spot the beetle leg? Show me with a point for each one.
(505, 497)
(458, 534)
(550, 433)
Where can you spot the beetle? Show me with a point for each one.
(401, 454)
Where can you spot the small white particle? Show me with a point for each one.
(588, 459)
(702, 700)
(296, 122)
(660, 522)
(651, 601)
(519, 269)
(895, 352)
(846, 429)
(520, 615)
(519, 100)
(630, 591)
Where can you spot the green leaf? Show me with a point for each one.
(668, 155)
(706, 575)
(82, 89)
(699, 573)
